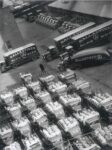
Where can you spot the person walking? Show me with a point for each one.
(42, 68)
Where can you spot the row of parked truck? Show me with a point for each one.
(55, 112)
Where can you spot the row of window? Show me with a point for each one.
(24, 51)
(89, 38)
(86, 43)
(106, 34)
(22, 58)
(63, 41)
(96, 33)
(68, 38)
(97, 57)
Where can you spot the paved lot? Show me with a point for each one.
(9, 29)
(31, 32)
(2, 48)
(99, 76)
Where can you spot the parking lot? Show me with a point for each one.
(31, 32)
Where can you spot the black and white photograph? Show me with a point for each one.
(55, 74)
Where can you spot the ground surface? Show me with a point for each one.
(99, 76)
(9, 29)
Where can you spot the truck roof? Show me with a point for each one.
(99, 27)
(18, 49)
(61, 37)
(92, 51)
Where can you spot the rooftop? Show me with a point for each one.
(102, 8)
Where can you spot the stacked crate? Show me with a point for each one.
(6, 134)
(39, 117)
(89, 118)
(18, 128)
(73, 81)
(69, 127)
(32, 142)
(48, 20)
(26, 78)
(67, 26)
(14, 145)
(71, 101)
(26, 101)
(104, 136)
(85, 143)
(102, 102)
(61, 120)
(55, 110)
(52, 137)
(12, 108)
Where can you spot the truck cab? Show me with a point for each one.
(51, 54)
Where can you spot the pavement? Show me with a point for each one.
(99, 76)
(9, 29)
(43, 37)
(2, 48)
